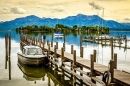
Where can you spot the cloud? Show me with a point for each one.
(5, 10)
(95, 6)
(17, 10)
(14, 10)
(57, 9)
(127, 19)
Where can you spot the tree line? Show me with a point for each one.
(61, 27)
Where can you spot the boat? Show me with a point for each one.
(32, 55)
(58, 34)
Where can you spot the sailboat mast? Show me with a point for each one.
(102, 19)
(98, 22)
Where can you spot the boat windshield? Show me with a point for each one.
(34, 51)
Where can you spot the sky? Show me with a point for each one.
(117, 10)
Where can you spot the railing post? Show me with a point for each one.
(74, 65)
(62, 60)
(112, 70)
(51, 43)
(47, 42)
(94, 52)
(112, 48)
(56, 45)
(81, 53)
(71, 49)
(115, 60)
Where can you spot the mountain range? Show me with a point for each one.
(79, 20)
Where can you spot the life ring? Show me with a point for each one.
(106, 77)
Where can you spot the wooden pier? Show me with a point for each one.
(106, 40)
(79, 63)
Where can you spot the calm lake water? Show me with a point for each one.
(22, 75)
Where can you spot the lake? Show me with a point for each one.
(22, 75)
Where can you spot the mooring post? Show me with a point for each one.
(74, 65)
(71, 49)
(81, 53)
(111, 48)
(125, 42)
(39, 43)
(64, 40)
(80, 43)
(48, 52)
(36, 41)
(92, 67)
(9, 57)
(112, 70)
(56, 45)
(43, 46)
(47, 42)
(62, 60)
(55, 53)
(94, 53)
(6, 46)
(51, 43)
(92, 64)
(64, 46)
(115, 60)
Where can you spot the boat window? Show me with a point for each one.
(23, 51)
(34, 51)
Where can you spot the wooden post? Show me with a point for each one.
(80, 43)
(112, 70)
(36, 41)
(56, 45)
(71, 49)
(81, 52)
(6, 47)
(111, 48)
(62, 60)
(64, 46)
(92, 64)
(52, 36)
(51, 43)
(74, 65)
(47, 42)
(9, 57)
(48, 50)
(39, 43)
(55, 53)
(115, 60)
(64, 37)
(94, 53)
(43, 46)
(64, 41)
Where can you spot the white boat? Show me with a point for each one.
(58, 34)
(32, 55)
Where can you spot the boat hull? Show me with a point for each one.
(31, 61)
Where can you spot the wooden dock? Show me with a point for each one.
(78, 63)
(105, 40)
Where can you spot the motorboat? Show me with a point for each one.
(58, 34)
(32, 55)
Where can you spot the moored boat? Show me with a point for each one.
(58, 34)
(32, 55)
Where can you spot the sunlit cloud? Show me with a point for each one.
(95, 6)
(128, 18)
(14, 10)
(17, 10)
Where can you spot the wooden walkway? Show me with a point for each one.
(117, 76)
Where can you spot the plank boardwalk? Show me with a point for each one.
(119, 76)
